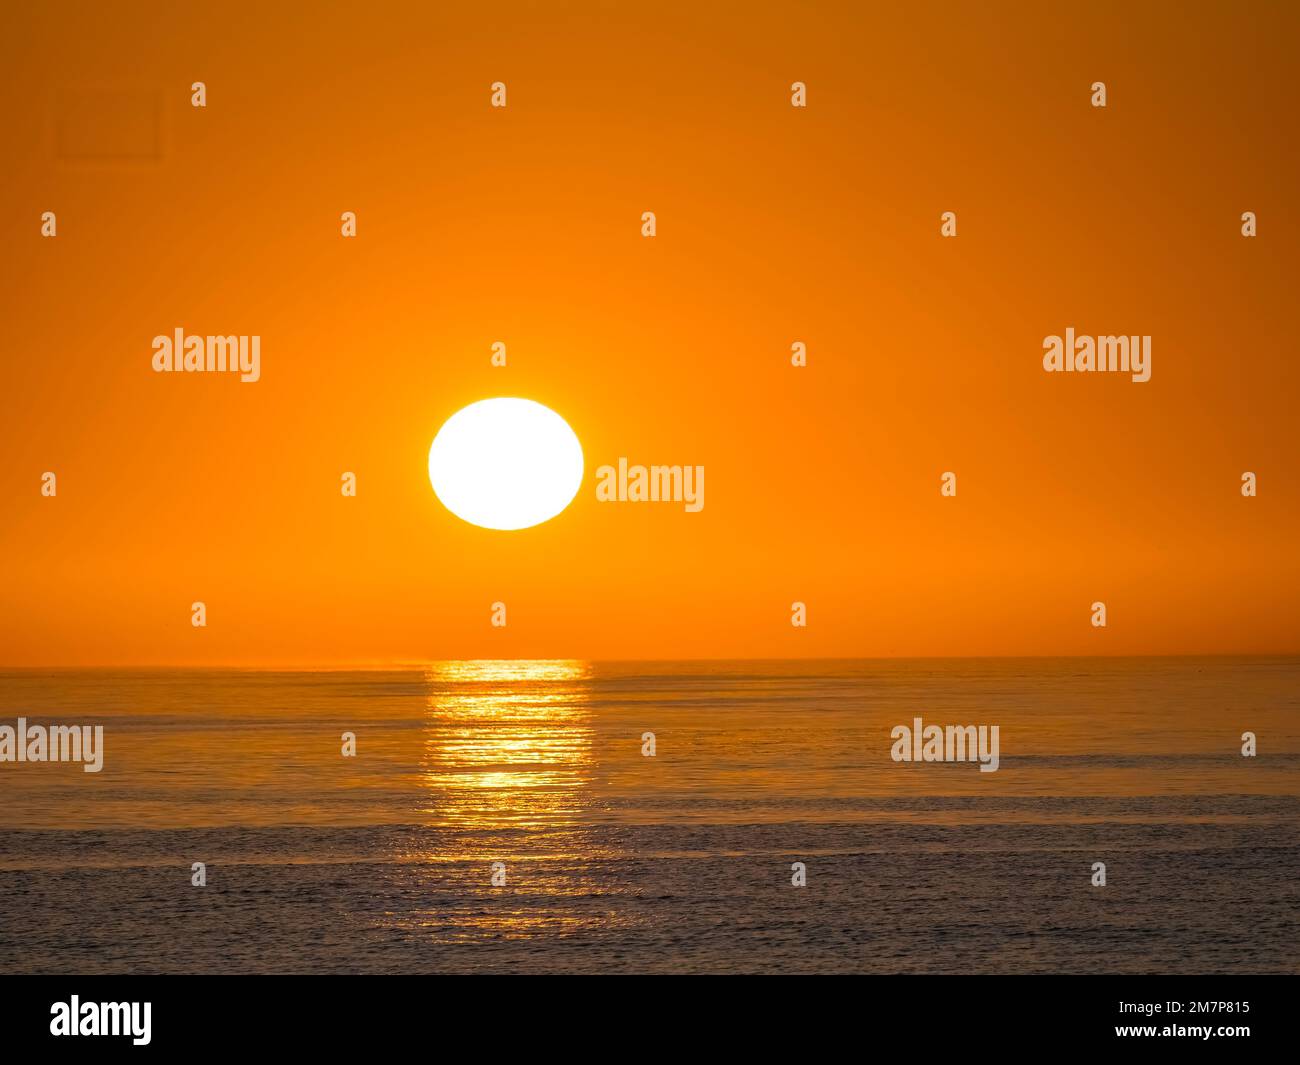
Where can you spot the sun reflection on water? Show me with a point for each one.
(508, 743)
(506, 769)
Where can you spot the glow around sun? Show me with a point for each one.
(505, 463)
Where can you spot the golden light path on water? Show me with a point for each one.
(506, 772)
(509, 743)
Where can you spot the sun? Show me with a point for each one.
(505, 463)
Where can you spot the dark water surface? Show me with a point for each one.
(677, 863)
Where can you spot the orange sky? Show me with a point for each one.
(776, 224)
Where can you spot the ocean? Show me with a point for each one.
(501, 817)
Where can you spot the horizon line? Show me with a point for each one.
(413, 664)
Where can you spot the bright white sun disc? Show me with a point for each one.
(505, 463)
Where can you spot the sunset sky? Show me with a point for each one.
(775, 224)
